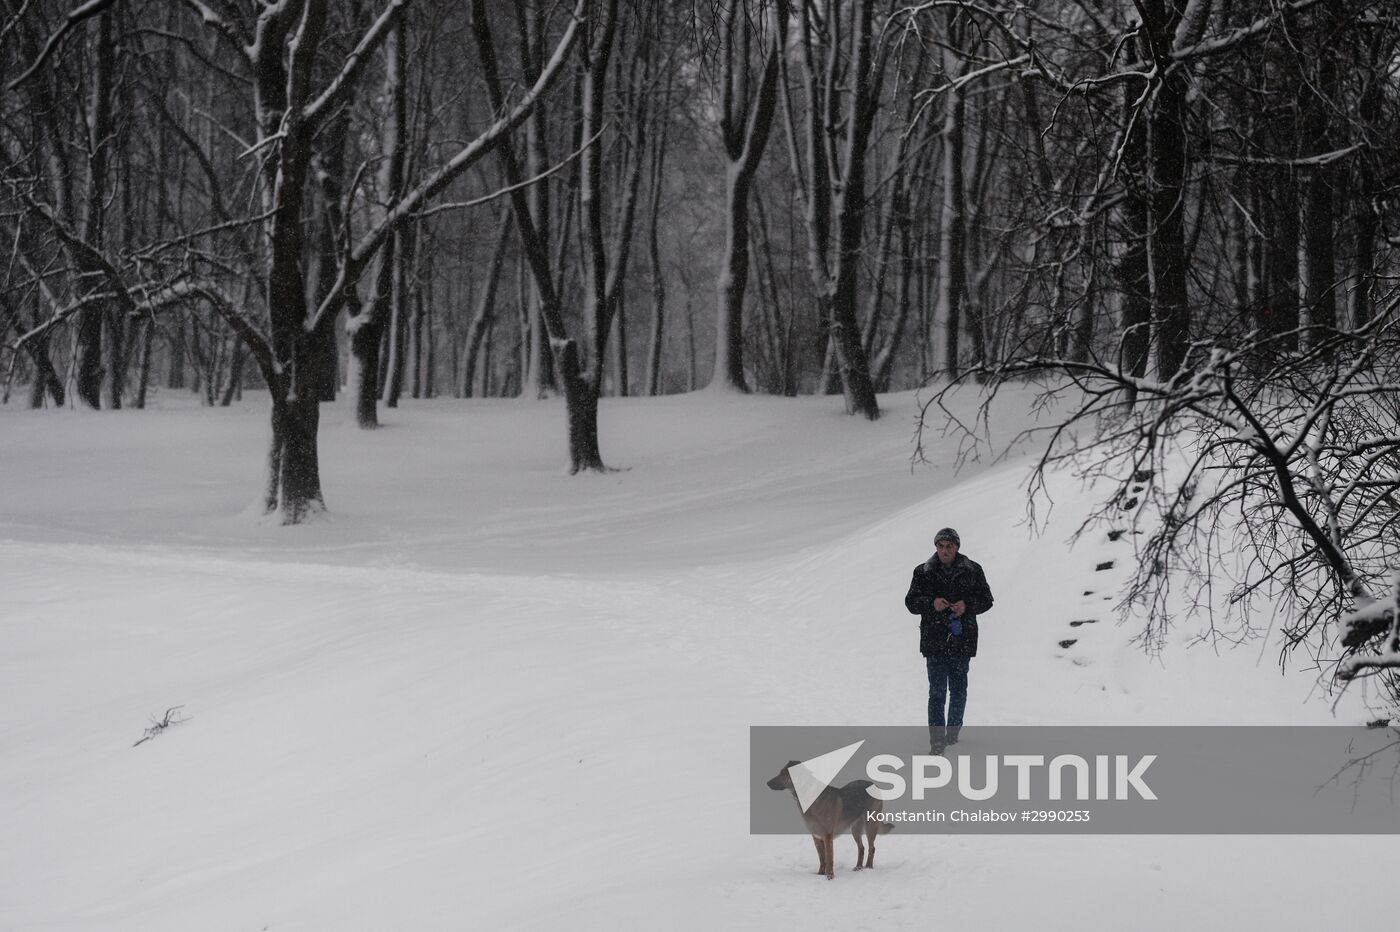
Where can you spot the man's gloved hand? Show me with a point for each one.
(940, 604)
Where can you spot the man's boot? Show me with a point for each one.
(951, 735)
(937, 739)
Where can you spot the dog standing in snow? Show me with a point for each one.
(835, 812)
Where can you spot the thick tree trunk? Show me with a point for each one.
(1167, 227)
(850, 222)
(744, 128)
(581, 408)
(733, 280)
(363, 378)
(282, 92)
(294, 472)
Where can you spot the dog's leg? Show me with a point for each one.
(821, 854)
(870, 837)
(829, 842)
(860, 849)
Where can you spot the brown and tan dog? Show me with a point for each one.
(834, 812)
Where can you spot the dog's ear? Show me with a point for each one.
(791, 763)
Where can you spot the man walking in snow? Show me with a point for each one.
(947, 593)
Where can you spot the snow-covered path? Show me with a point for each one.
(483, 698)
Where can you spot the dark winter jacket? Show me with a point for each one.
(962, 580)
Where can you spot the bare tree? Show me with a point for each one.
(746, 116)
(836, 150)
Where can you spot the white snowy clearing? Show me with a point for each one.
(485, 695)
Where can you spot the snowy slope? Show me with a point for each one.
(486, 695)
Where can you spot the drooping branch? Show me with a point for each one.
(82, 12)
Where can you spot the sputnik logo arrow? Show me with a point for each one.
(812, 776)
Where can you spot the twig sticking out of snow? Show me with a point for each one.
(159, 725)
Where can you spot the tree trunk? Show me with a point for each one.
(884, 362)
(1167, 228)
(398, 323)
(294, 472)
(744, 128)
(366, 325)
(88, 366)
(538, 377)
(658, 301)
(363, 381)
(486, 306)
(415, 343)
(45, 377)
(235, 375)
(1280, 313)
(580, 393)
(850, 216)
(1368, 223)
(733, 279)
(1319, 210)
(581, 408)
(952, 268)
(622, 386)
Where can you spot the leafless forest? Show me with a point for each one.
(1178, 215)
(612, 197)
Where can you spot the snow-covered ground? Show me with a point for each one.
(485, 695)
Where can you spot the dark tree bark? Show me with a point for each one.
(836, 143)
(745, 121)
(1166, 112)
(538, 379)
(658, 272)
(88, 367)
(1319, 257)
(486, 307)
(1134, 285)
(866, 75)
(366, 325)
(1370, 110)
(952, 259)
(581, 402)
(143, 365)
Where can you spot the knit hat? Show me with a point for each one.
(948, 534)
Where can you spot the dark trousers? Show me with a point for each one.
(947, 681)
